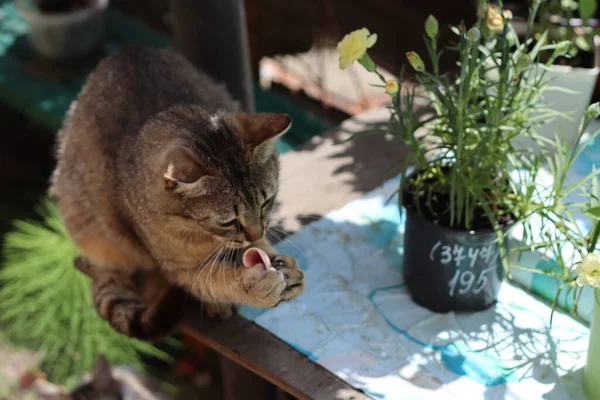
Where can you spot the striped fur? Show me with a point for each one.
(119, 298)
(159, 180)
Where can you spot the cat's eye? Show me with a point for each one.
(268, 202)
(229, 223)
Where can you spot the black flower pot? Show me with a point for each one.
(451, 270)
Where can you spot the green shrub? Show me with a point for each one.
(46, 304)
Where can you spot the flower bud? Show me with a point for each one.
(562, 48)
(431, 27)
(392, 87)
(415, 61)
(593, 112)
(473, 34)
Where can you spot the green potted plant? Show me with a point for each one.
(63, 30)
(461, 197)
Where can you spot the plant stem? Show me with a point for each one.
(594, 237)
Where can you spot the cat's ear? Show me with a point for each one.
(181, 167)
(102, 378)
(256, 129)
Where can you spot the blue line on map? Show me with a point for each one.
(477, 366)
(392, 325)
(452, 357)
(375, 395)
(302, 350)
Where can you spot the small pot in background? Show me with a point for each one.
(64, 35)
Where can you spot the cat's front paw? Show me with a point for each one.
(267, 287)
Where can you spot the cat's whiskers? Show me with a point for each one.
(197, 272)
(235, 277)
(235, 267)
(287, 237)
(308, 228)
(225, 262)
(208, 277)
(278, 234)
(274, 237)
(199, 268)
(210, 282)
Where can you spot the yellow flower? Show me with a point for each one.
(588, 272)
(354, 45)
(392, 87)
(495, 20)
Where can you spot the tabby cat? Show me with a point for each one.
(162, 182)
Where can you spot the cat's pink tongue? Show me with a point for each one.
(254, 257)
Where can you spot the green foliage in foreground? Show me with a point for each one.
(46, 304)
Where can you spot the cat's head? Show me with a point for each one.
(219, 172)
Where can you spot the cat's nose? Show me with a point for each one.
(254, 233)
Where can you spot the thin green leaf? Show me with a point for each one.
(593, 213)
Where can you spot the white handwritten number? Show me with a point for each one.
(454, 281)
(433, 249)
(486, 253)
(473, 253)
(457, 252)
(482, 281)
(466, 281)
(446, 254)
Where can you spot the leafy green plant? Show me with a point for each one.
(468, 154)
(45, 303)
(552, 227)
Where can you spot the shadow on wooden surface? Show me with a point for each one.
(254, 348)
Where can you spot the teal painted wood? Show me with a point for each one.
(43, 92)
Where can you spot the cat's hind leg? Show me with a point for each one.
(140, 304)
